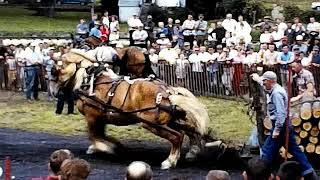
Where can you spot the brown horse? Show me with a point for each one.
(168, 112)
(132, 61)
(93, 41)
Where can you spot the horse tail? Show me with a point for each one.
(196, 112)
(183, 91)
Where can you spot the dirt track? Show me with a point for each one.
(30, 151)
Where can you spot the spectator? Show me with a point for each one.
(92, 22)
(299, 30)
(140, 37)
(229, 24)
(299, 44)
(187, 49)
(163, 30)
(313, 25)
(181, 72)
(257, 169)
(314, 57)
(284, 58)
(49, 64)
(139, 170)
(218, 175)
(265, 36)
(282, 26)
(82, 29)
(105, 19)
(297, 25)
(188, 30)
(20, 59)
(149, 27)
(212, 37)
(104, 30)
(163, 41)
(33, 62)
(201, 27)
(220, 32)
(243, 30)
(289, 170)
(178, 31)
(270, 57)
(153, 56)
(133, 24)
(168, 54)
(284, 42)
(251, 58)
(114, 24)
(95, 31)
(170, 26)
(213, 65)
(290, 33)
(262, 52)
(75, 169)
(303, 77)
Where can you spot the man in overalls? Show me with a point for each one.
(277, 104)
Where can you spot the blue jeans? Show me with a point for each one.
(271, 147)
(32, 82)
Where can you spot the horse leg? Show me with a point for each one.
(96, 128)
(176, 139)
(195, 146)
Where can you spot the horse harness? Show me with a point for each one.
(107, 107)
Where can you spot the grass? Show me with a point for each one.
(227, 120)
(303, 5)
(16, 21)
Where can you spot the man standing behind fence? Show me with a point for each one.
(33, 62)
(284, 58)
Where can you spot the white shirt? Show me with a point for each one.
(105, 53)
(250, 59)
(188, 27)
(282, 28)
(113, 26)
(196, 60)
(154, 58)
(139, 37)
(313, 26)
(169, 55)
(242, 30)
(133, 23)
(276, 36)
(32, 57)
(163, 42)
(105, 21)
(229, 24)
(265, 38)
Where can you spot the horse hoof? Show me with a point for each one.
(166, 165)
(90, 150)
(104, 148)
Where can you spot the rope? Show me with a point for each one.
(288, 113)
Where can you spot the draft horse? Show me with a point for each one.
(169, 112)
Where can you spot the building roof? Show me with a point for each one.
(128, 3)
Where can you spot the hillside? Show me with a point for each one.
(302, 4)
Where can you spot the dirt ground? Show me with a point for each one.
(29, 153)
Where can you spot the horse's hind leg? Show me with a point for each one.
(176, 139)
(96, 128)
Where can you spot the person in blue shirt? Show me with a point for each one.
(95, 31)
(284, 59)
(277, 106)
(314, 56)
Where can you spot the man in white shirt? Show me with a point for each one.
(271, 56)
(243, 30)
(196, 59)
(189, 30)
(282, 26)
(140, 37)
(229, 24)
(265, 36)
(33, 62)
(201, 27)
(313, 25)
(168, 54)
(163, 41)
(133, 24)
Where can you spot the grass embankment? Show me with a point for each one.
(227, 120)
(17, 21)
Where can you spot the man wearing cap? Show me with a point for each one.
(266, 24)
(149, 26)
(299, 44)
(140, 37)
(163, 41)
(187, 49)
(178, 31)
(277, 104)
(201, 27)
(162, 30)
(33, 62)
(95, 30)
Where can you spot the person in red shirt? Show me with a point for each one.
(104, 34)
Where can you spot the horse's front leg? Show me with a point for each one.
(176, 139)
(96, 130)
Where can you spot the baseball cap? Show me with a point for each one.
(149, 17)
(186, 44)
(177, 21)
(315, 48)
(269, 75)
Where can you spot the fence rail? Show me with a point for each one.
(217, 80)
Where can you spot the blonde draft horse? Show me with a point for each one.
(148, 102)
